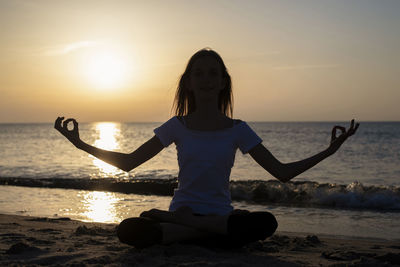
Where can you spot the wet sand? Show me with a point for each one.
(30, 241)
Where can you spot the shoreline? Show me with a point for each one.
(29, 240)
(303, 194)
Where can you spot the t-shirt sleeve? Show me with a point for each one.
(166, 132)
(247, 138)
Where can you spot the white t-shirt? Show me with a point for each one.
(205, 160)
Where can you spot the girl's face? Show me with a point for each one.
(205, 79)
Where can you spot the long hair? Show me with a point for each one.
(184, 102)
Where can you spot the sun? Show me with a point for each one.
(106, 70)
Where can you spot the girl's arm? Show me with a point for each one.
(286, 171)
(125, 162)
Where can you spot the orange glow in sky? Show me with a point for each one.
(121, 60)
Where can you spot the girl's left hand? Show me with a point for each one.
(337, 141)
(71, 135)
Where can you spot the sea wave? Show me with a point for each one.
(306, 194)
(353, 196)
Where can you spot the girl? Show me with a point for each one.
(206, 139)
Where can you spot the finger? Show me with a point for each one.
(341, 128)
(357, 125)
(351, 125)
(75, 125)
(65, 123)
(59, 119)
(57, 123)
(333, 136)
(355, 129)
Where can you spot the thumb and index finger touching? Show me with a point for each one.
(352, 130)
(62, 125)
(65, 124)
(335, 128)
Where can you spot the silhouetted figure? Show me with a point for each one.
(206, 139)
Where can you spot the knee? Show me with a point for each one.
(139, 232)
(269, 223)
(123, 231)
(254, 225)
(264, 223)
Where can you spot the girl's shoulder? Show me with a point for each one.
(181, 119)
(236, 121)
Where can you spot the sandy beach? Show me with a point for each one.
(31, 241)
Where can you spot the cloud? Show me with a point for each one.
(303, 67)
(64, 49)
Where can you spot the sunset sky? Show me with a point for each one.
(121, 60)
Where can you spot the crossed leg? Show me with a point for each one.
(180, 233)
(184, 216)
(234, 229)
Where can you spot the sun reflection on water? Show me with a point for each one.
(107, 139)
(100, 207)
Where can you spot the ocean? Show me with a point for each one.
(355, 192)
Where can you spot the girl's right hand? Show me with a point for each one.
(71, 135)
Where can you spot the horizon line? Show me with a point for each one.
(249, 121)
